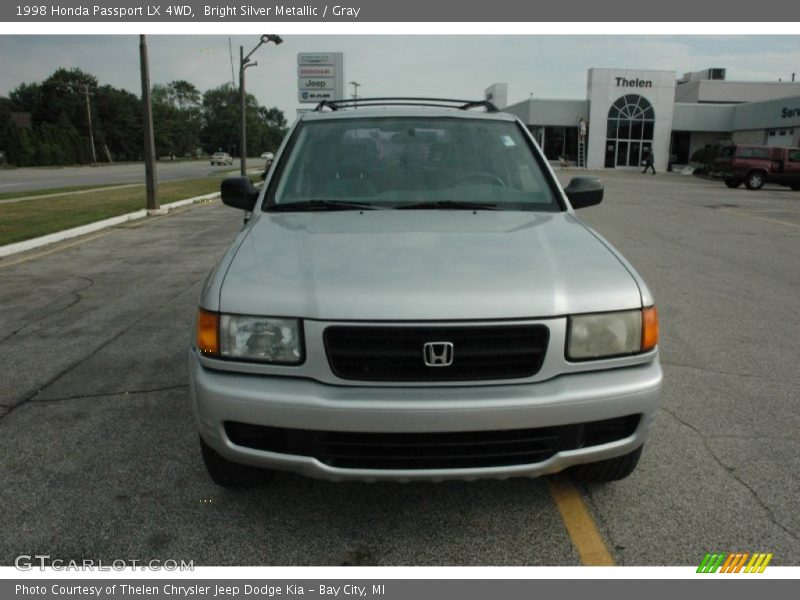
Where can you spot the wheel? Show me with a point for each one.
(733, 183)
(612, 469)
(796, 188)
(230, 474)
(755, 180)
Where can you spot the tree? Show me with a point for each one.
(221, 119)
(176, 118)
(184, 94)
(119, 122)
(265, 126)
(183, 120)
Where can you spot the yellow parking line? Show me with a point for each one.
(580, 526)
(82, 240)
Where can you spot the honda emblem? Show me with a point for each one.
(438, 354)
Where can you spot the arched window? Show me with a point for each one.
(630, 131)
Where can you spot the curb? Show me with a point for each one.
(59, 236)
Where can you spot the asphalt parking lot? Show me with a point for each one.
(99, 456)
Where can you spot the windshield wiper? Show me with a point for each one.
(447, 205)
(320, 204)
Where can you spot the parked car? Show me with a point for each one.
(267, 164)
(268, 156)
(756, 165)
(221, 159)
(412, 296)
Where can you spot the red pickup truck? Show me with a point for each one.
(756, 165)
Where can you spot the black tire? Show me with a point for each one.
(230, 474)
(755, 180)
(796, 188)
(733, 183)
(612, 469)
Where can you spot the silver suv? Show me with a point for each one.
(412, 297)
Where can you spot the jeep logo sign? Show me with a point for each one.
(317, 84)
(788, 113)
(636, 83)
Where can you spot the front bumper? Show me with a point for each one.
(296, 403)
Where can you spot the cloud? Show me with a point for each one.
(448, 66)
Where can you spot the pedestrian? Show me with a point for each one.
(649, 162)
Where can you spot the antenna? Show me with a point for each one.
(230, 53)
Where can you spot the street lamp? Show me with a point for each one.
(355, 85)
(244, 63)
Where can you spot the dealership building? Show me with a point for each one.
(628, 113)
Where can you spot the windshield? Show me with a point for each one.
(401, 162)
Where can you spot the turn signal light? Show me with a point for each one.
(649, 328)
(208, 332)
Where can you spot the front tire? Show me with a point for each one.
(612, 469)
(755, 180)
(228, 474)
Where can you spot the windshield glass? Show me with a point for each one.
(401, 161)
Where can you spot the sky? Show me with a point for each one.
(542, 66)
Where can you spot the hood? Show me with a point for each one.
(424, 265)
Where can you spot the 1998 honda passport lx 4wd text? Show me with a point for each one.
(412, 297)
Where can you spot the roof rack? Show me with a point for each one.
(406, 101)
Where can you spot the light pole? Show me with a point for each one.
(244, 63)
(355, 85)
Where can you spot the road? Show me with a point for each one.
(99, 456)
(45, 178)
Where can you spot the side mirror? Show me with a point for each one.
(584, 191)
(239, 192)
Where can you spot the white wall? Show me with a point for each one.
(746, 91)
(752, 136)
(497, 94)
(702, 139)
(604, 90)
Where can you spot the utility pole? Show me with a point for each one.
(243, 112)
(89, 116)
(149, 139)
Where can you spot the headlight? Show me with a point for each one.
(261, 339)
(603, 335)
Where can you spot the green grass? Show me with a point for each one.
(77, 188)
(34, 218)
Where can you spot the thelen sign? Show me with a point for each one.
(634, 83)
